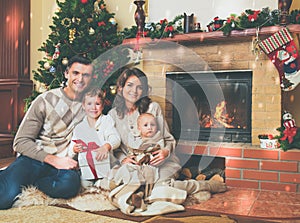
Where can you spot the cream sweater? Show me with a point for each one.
(48, 125)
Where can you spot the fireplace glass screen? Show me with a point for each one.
(211, 106)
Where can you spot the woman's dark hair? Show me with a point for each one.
(143, 103)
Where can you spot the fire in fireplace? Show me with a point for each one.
(211, 106)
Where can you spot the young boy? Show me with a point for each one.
(96, 130)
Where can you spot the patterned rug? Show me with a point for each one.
(50, 214)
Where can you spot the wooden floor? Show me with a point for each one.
(281, 206)
(5, 162)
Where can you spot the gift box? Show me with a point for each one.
(93, 169)
(89, 166)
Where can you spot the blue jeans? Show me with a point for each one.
(24, 171)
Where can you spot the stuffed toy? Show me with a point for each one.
(289, 137)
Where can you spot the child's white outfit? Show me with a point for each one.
(103, 132)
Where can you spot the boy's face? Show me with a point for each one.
(147, 126)
(93, 106)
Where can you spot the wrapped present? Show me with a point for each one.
(89, 166)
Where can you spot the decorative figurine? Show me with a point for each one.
(97, 9)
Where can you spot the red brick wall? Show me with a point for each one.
(252, 167)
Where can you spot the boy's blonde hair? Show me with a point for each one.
(95, 91)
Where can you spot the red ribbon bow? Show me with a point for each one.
(89, 157)
(289, 134)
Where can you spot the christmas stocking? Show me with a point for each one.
(282, 51)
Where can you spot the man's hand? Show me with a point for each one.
(66, 163)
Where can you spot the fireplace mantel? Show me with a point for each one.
(217, 35)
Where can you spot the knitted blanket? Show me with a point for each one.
(135, 179)
(156, 201)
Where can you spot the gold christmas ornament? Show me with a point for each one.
(72, 35)
(64, 61)
(113, 89)
(76, 20)
(47, 66)
(66, 22)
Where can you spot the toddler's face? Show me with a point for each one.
(93, 106)
(147, 126)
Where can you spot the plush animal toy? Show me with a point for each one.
(290, 136)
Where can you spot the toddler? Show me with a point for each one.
(150, 139)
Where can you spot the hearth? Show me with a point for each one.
(211, 106)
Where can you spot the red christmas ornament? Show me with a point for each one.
(84, 1)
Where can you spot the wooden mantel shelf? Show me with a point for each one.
(216, 35)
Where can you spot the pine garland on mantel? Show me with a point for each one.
(246, 20)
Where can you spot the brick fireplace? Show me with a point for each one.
(246, 164)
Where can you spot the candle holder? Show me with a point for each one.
(139, 16)
(284, 8)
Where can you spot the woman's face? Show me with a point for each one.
(132, 90)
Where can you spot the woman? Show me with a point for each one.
(132, 100)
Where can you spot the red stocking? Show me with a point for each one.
(282, 51)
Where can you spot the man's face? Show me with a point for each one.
(79, 77)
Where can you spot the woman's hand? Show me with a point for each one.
(159, 157)
(129, 159)
(102, 152)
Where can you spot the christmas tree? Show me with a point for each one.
(81, 27)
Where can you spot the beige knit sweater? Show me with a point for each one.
(48, 124)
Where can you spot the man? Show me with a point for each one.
(43, 137)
